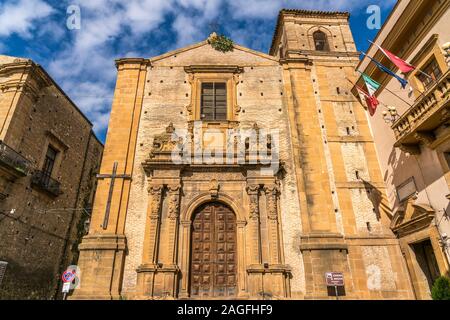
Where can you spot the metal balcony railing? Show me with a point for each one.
(46, 183)
(13, 160)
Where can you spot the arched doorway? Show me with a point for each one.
(213, 252)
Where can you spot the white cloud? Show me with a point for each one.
(143, 16)
(109, 29)
(21, 16)
(83, 61)
(112, 29)
(268, 9)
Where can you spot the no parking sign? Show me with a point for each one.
(68, 276)
(70, 279)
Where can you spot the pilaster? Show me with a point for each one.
(102, 266)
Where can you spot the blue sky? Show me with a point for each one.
(82, 61)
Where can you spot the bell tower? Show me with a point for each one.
(341, 190)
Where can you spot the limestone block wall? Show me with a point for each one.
(342, 194)
(37, 230)
(260, 95)
(297, 33)
(359, 188)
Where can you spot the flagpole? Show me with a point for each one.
(381, 102)
(409, 104)
(385, 87)
(415, 68)
(388, 91)
(426, 75)
(421, 92)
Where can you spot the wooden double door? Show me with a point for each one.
(213, 252)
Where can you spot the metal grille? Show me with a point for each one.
(46, 183)
(13, 159)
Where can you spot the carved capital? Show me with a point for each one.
(155, 197)
(172, 188)
(252, 189)
(271, 189)
(174, 201)
(253, 194)
(272, 192)
(155, 189)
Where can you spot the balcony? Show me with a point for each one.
(418, 124)
(13, 163)
(46, 183)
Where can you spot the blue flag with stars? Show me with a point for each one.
(402, 81)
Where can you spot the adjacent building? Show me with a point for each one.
(270, 215)
(412, 135)
(48, 159)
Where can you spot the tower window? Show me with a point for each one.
(321, 41)
(214, 101)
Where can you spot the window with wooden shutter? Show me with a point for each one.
(433, 71)
(49, 161)
(213, 101)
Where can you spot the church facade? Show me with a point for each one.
(242, 175)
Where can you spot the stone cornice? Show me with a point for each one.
(27, 67)
(411, 226)
(213, 69)
(132, 63)
(41, 79)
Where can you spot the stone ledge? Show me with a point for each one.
(103, 242)
(360, 185)
(132, 63)
(93, 296)
(350, 139)
(274, 268)
(155, 268)
(323, 241)
(323, 246)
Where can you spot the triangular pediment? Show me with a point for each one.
(412, 217)
(203, 53)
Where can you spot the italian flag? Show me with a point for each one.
(401, 64)
(371, 102)
(372, 85)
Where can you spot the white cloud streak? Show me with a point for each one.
(22, 16)
(83, 63)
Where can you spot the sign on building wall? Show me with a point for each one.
(406, 189)
(334, 279)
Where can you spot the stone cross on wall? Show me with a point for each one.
(113, 178)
